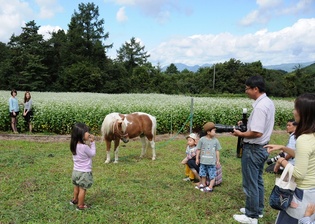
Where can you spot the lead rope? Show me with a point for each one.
(172, 138)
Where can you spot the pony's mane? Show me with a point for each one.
(109, 120)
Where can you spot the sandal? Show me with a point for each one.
(82, 207)
(200, 186)
(73, 202)
(207, 189)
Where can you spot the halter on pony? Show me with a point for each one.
(120, 133)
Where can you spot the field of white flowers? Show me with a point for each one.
(57, 112)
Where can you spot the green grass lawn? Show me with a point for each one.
(36, 186)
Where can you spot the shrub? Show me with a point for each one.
(57, 112)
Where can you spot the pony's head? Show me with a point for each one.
(108, 124)
(115, 124)
(119, 128)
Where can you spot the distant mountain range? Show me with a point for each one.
(288, 67)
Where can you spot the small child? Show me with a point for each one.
(208, 156)
(82, 154)
(310, 210)
(190, 153)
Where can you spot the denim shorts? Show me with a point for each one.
(82, 179)
(209, 170)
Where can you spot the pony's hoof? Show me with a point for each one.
(107, 161)
(153, 158)
(116, 161)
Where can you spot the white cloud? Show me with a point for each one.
(48, 8)
(267, 4)
(301, 6)
(138, 40)
(121, 15)
(250, 18)
(291, 44)
(15, 13)
(158, 9)
(47, 30)
(268, 9)
(124, 2)
(12, 14)
(163, 17)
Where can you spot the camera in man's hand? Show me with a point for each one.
(220, 128)
(274, 159)
(242, 126)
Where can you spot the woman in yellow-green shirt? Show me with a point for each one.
(304, 169)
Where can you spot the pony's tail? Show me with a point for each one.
(154, 126)
(103, 128)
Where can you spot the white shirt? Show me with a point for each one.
(261, 120)
(291, 145)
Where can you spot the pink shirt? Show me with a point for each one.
(82, 161)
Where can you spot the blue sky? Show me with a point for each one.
(185, 31)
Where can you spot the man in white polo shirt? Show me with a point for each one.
(259, 129)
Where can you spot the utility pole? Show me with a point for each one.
(191, 114)
(213, 76)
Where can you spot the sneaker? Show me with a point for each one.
(73, 202)
(186, 179)
(206, 189)
(200, 186)
(242, 210)
(82, 207)
(245, 219)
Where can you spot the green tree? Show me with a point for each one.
(86, 35)
(28, 71)
(144, 79)
(187, 83)
(85, 40)
(90, 77)
(299, 79)
(56, 53)
(308, 82)
(132, 54)
(4, 66)
(169, 84)
(116, 79)
(172, 69)
(204, 80)
(275, 83)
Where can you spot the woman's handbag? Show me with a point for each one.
(282, 193)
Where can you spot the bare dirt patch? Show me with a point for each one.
(66, 138)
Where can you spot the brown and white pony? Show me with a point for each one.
(116, 127)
